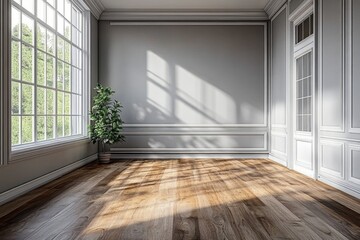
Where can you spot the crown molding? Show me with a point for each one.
(273, 6)
(183, 15)
(96, 7)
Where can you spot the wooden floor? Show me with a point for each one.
(182, 199)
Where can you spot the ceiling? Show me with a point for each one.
(184, 4)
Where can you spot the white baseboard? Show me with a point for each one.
(186, 155)
(341, 187)
(26, 187)
(278, 160)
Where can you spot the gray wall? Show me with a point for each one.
(17, 173)
(173, 77)
(279, 88)
(339, 143)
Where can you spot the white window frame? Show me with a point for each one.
(23, 152)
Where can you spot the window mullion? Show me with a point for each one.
(35, 133)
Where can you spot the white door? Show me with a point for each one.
(303, 113)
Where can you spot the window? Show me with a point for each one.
(304, 29)
(304, 93)
(47, 93)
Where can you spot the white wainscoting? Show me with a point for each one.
(332, 158)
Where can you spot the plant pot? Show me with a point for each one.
(104, 157)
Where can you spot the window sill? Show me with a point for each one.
(22, 153)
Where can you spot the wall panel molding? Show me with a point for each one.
(352, 73)
(141, 149)
(203, 15)
(351, 162)
(337, 149)
(323, 126)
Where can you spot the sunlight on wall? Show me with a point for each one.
(158, 83)
(201, 102)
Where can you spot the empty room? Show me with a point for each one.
(179, 119)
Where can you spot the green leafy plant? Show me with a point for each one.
(106, 123)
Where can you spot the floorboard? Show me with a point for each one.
(182, 199)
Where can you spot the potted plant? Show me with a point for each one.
(106, 124)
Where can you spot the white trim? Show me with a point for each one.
(300, 10)
(96, 7)
(322, 127)
(326, 171)
(1, 82)
(193, 133)
(342, 186)
(188, 155)
(171, 15)
(276, 159)
(160, 125)
(26, 187)
(349, 67)
(272, 8)
(352, 148)
(341, 139)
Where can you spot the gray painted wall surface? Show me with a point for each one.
(17, 173)
(332, 64)
(356, 63)
(294, 4)
(191, 75)
(279, 87)
(278, 70)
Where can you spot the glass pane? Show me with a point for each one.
(299, 123)
(67, 30)
(67, 103)
(60, 48)
(74, 36)
(60, 6)
(306, 28)
(50, 16)
(41, 37)
(15, 22)
(60, 75)
(74, 17)
(15, 60)
(40, 125)
(40, 105)
(50, 43)
(27, 99)
(76, 125)
(50, 102)
(50, 71)
(60, 126)
(28, 5)
(68, 10)
(60, 24)
(67, 75)
(74, 80)
(27, 29)
(60, 103)
(67, 52)
(27, 129)
(27, 63)
(50, 127)
(15, 98)
(41, 10)
(67, 126)
(15, 130)
(41, 69)
(75, 105)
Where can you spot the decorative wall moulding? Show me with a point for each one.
(96, 7)
(184, 15)
(273, 6)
